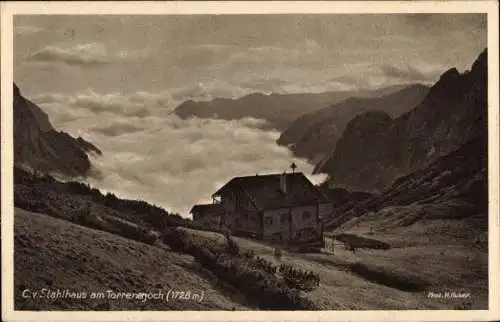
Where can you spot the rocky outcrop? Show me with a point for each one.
(374, 151)
(37, 145)
(453, 187)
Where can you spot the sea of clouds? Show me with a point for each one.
(151, 154)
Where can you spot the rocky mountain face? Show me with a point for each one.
(453, 187)
(279, 110)
(314, 135)
(375, 149)
(37, 145)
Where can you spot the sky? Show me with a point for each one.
(114, 80)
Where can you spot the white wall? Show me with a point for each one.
(299, 223)
(238, 221)
(276, 226)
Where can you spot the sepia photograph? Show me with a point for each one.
(249, 162)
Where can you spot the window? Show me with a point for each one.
(284, 218)
(268, 221)
(306, 215)
(245, 216)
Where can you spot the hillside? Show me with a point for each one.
(447, 193)
(59, 255)
(72, 200)
(37, 145)
(374, 150)
(279, 110)
(314, 135)
(395, 279)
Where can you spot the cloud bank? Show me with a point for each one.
(89, 55)
(153, 155)
(26, 30)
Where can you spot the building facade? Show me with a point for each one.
(284, 208)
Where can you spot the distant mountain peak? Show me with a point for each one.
(451, 73)
(481, 61)
(314, 135)
(452, 113)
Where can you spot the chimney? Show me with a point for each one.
(283, 182)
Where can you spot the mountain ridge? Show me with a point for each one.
(279, 110)
(37, 145)
(314, 135)
(452, 113)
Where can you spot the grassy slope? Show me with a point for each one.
(57, 254)
(452, 267)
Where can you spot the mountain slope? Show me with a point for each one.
(56, 254)
(279, 110)
(452, 188)
(314, 135)
(39, 146)
(453, 113)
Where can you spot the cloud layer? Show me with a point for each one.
(84, 55)
(156, 156)
(115, 80)
(91, 55)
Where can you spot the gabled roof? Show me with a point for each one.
(265, 190)
(207, 208)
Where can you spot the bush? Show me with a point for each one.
(82, 217)
(253, 276)
(263, 264)
(137, 233)
(299, 279)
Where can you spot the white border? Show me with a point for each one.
(247, 7)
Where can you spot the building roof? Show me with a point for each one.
(207, 208)
(265, 190)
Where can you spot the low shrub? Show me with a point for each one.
(85, 217)
(253, 276)
(299, 279)
(137, 233)
(262, 264)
